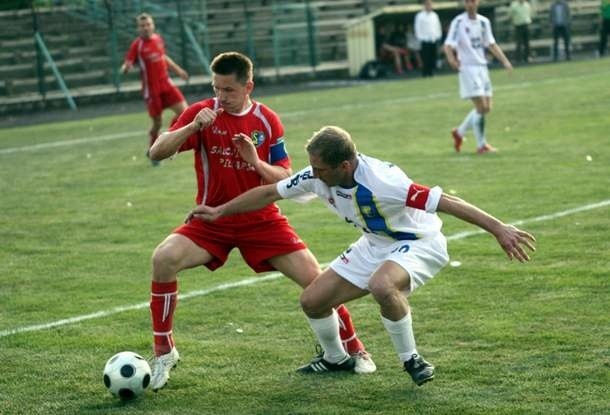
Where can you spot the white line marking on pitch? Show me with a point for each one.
(344, 107)
(62, 143)
(268, 277)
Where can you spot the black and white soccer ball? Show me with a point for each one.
(127, 375)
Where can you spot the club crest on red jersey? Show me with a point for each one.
(258, 137)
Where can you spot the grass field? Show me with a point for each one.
(78, 223)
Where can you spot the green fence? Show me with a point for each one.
(82, 43)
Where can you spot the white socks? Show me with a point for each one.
(327, 331)
(475, 121)
(401, 333)
(467, 123)
(478, 125)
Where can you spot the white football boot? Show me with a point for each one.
(364, 363)
(160, 368)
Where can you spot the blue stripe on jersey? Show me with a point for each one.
(277, 151)
(375, 222)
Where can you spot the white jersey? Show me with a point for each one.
(469, 37)
(385, 204)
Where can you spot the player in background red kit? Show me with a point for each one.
(238, 144)
(159, 92)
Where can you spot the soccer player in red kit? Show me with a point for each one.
(159, 92)
(238, 144)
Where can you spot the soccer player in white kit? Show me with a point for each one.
(469, 36)
(401, 247)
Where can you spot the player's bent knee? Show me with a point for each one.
(382, 290)
(312, 306)
(166, 257)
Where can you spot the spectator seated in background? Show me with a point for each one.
(414, 47)
(392, 46)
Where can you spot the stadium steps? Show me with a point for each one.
(130, 90)
(226, 31)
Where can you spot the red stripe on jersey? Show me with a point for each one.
(417, 196)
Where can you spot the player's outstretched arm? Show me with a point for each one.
(511, 239)
(177, 69)
(451, 58)
(497, 52)
(253, 199)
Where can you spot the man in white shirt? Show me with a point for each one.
(468, 37)
(521, 15)
(401, 247)
(428, 33)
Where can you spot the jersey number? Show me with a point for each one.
(403, 249)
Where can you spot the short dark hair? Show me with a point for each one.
(228, 63)
(144, 16)
(332, 144)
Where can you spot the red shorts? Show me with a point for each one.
(256, 241)
(164, 97)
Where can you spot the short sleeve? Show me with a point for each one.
(278, 154)
(132, 53)
(423, 198)
(489, 36)
(299, 187)
(186, 118)
(451, 39)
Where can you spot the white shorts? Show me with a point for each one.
(474, 81)
(422, 259)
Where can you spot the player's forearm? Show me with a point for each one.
(450, 55)
(173, 66)
(170, 141)
(253, 199)
(497, 52)
(271, 173)
(469, 213)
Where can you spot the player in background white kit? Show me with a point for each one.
(469, 36)
(400, 249)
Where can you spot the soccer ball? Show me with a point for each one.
(126, 375)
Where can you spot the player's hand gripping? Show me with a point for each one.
(203, 212)
(246, 148)
(512, 240)
(206, 117)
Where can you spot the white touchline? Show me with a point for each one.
(269, 277)
(62, 143)
(363, 104)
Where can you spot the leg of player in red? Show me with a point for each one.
(166, 263)
(352, 344)
(171, 98)
(163, 299)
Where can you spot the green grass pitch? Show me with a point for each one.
(78, 224)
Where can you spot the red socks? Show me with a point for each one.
(351, 342)
(163, 299)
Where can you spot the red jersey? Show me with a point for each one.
(150, 56)
(221, 173)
